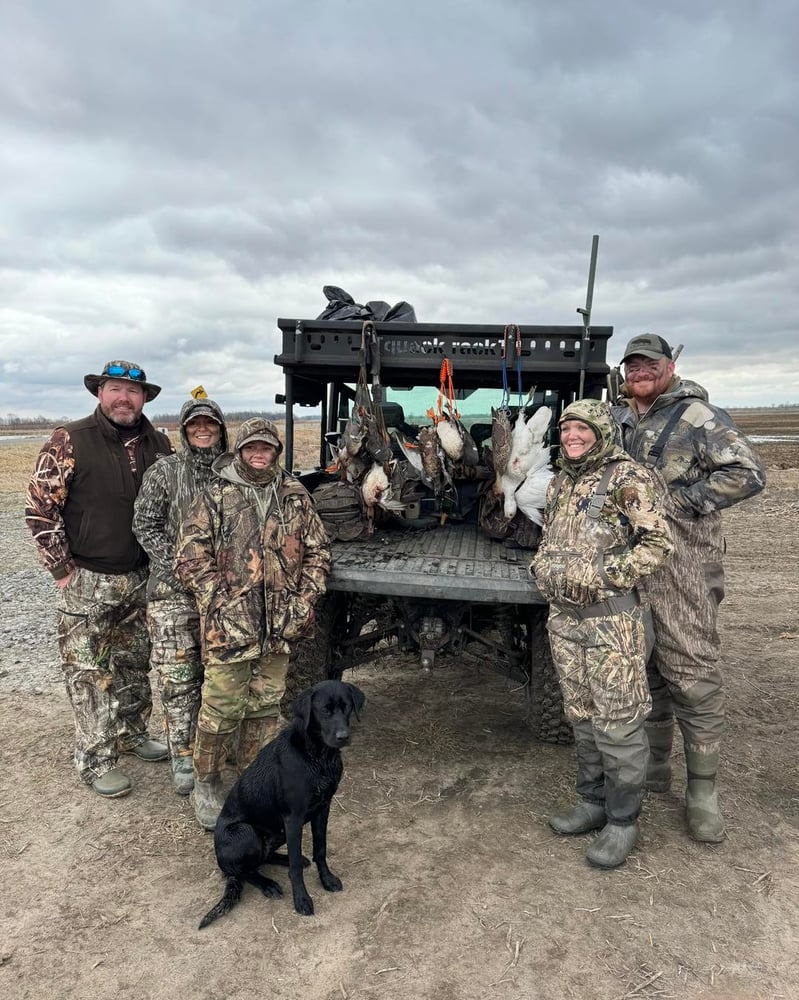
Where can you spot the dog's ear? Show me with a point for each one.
(357, 699)
(302, 707)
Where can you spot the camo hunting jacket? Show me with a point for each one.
(706, 463)
(590, 550)
(255, 582)
(166, 493)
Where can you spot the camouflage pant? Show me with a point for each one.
(601, 665)
(243, 689)
(174, 627)
(102, 638)
(684, 597)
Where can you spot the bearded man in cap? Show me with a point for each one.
(168, 489)
(80, 512)
(254, 553)
(705, 464)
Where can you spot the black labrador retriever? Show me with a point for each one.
(290, 783)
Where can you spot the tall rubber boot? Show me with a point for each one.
(702, 812)
(660, 733)
(254, 734)
(589, 813)
(624, 752)
(206, 796)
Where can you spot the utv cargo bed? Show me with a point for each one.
(454, 562)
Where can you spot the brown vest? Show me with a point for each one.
(98, 514)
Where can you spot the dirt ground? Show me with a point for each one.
(454, 886)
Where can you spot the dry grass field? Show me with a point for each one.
(455, 888)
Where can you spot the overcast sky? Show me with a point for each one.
(176, 174)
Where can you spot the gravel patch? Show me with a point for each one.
(29, 660)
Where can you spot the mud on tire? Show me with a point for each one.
(312, 659)
(544, 701)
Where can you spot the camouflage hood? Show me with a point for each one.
(597, 415)
(198, 408)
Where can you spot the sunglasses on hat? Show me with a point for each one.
(122, 371)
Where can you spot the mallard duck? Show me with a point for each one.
(434, 472)
(500, 442)
(450, 436)
(376, 490)
(410, 449)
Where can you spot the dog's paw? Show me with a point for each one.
(330, 882)
(270, 889)
(303, 905)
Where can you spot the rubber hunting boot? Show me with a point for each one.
(624, 755)
(589, 813)
(182, 774)
(658, 766)
(112, 785)
(253, 735)
(206, 796)
(702, 812)
(611, 847)
(583, 818)
(660, 732)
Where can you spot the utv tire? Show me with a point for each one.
(544, 701)
(312, 659)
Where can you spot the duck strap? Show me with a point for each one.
(511, 329)
(652, 460)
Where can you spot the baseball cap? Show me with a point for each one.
(202, 411)
(650, 345)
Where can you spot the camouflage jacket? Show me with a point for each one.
(167, 490)
(583, 559)
(79, 509)
(707, 464)
(255, 581)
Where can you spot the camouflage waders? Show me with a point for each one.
(602, 672)
(102, 638)
(684, 597)
(600, 665)
(174, 627)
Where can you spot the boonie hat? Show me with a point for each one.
(650, 345)
(126, 371)
(202, 411)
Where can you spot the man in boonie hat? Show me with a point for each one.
(705, 464)
(80, 512)
(168, 489)
(254, 553)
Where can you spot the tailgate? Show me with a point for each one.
(454, 562)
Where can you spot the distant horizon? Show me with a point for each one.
(39, 421)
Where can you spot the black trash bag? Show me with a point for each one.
(378, 309)
(341, 305)
(401, 312)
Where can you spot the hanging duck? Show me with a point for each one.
(527, 449)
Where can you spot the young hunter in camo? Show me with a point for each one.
(704, 464)
(172, 618)
(254, 553)
(79, 510)
(603, 532)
